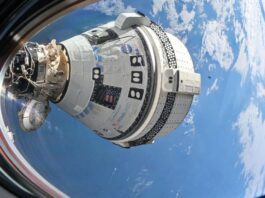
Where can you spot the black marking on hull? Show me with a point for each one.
(136, 93)
(149, 136)
(106, 95)
(137, 61)
(172, 62)
(96, 74)
(149, 94)
(137, 77)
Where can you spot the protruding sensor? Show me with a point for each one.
(127, 80)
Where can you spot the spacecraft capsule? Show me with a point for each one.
(127, 80)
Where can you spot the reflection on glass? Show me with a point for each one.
(216, 151)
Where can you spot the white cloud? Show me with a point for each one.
(51, 126)
(141, 185)
(260, 90)
(214, 87)
(252, 41)
(182, 21)
(48, 124)
(215, 43)
(211, 67)
(189, 123)
(189, 119)
(158, 6)
(223, 9)
(251, 127)
(142, 182)
(242, 65)
(111, 7)
(249, 32)
(188, 151)
(114, 172)
(215, 40)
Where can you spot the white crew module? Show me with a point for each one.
(127, 80)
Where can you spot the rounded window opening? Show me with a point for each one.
(124, 98)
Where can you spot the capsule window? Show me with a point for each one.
(137, 77)
(136, 93)
(137, 61)
(106, 96)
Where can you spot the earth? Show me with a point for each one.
(218, 151)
